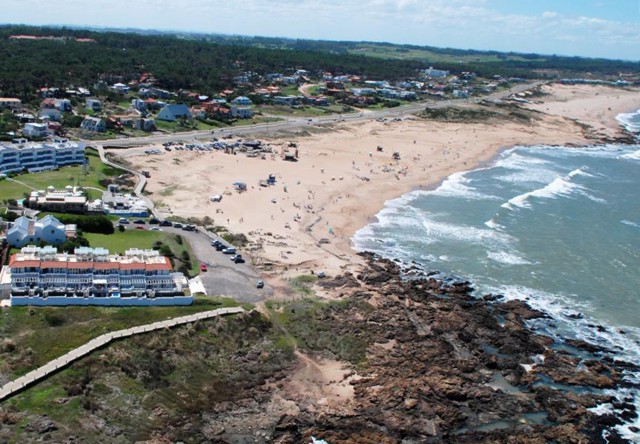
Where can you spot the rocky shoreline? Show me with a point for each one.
(463, 369)
(422, 361)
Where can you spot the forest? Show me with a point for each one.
(208, 63)
(176, 62)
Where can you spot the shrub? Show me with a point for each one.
(53, 319)
(90, 224)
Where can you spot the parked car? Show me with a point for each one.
(221, 247)
(215, 243)
(229, 250)
(260, 284)
(189, 227)
(123, 221)
(203, 267)
(166, 223)
(140, 221)
(238, 259)
(177, 225)
(154, 221)
(154, 229)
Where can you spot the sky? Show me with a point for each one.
(590, 28)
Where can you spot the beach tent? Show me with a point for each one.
(240, 186)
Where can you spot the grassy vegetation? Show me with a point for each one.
(388, 52)
(302, 284)
(306, 111)
(40, 334)
(289, 90)
(125, 385)
(306, 324)
(60, 178)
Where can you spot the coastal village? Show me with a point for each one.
(125, 194)
(42, 148)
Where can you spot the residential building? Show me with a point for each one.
(431, 72)
(139, 105)
(69, 200)
(28, 231)
(35, 130)
(316, 101)
(50, 114)
(120, 88)
(62, 104)
(25, 117)
(93, 104)
(146, 124)
(93, 124)
(22, 155)
(241, 113)
(198, 112)
(242, 100)
(287, 100)
(92, 276)
(10, 103)
(174, 112)
(124, 205)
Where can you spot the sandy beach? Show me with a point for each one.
(342, 179)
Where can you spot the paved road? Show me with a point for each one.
(223, 277)
(17, 385)
(301, 122)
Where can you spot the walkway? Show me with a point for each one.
(142, 180)
(13, 387)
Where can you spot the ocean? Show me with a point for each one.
(556, 226)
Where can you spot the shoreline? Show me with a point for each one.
(307, 220)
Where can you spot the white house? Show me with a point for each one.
(10, 103)
(242, 100)
(24, 231)
(93, 104)
(36, 130)
(50, 114)
(93, 124)
(63, 104)
(431, 72)
(120, 88)
(241, 113)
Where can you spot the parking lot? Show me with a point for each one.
(223, 277)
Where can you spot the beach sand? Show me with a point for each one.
(304, 223)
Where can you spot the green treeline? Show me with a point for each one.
(176, 63)
(208, 63)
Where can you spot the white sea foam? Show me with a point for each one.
(516, 161)
(494, 225)
(504, 257)
(625, 345)
(457, 185)
(556, 188)
(465, 233)
(630, 223)
(580, 172)
(560, 186)
(631, 121)
(632, 156)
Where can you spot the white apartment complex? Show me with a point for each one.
(22, 155)
(41, 273)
